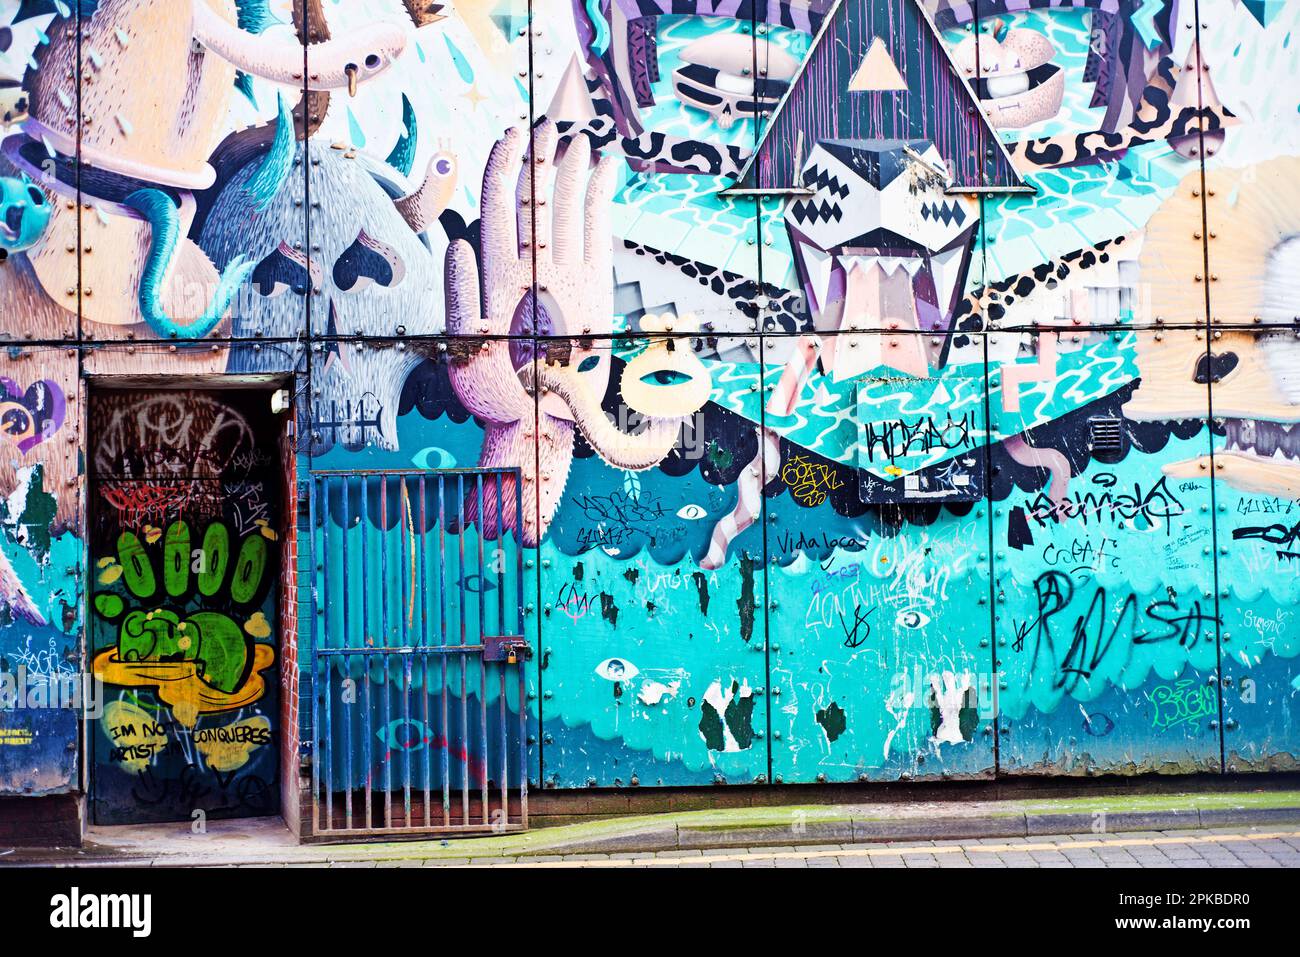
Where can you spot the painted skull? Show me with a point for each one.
(717, 76)
(368, 274)
(879, 244)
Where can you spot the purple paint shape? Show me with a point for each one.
(36, 412)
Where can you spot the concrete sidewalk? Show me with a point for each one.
(266, 840)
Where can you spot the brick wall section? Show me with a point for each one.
(54, 820)
(288, 624)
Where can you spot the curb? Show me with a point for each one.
(684, 838)
(869, 831)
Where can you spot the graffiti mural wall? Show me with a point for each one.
(896, 388)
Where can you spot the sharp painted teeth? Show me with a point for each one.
(1000, 86)
(889, 265)
(1263, 439)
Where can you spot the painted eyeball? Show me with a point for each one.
(617, 669)
(910, 618)
(404, 734)
(443, 171)
(444, 164)
(666, 383)
(16, 422)
(589, 364)
(665, 377)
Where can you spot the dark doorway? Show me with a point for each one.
(186, 504)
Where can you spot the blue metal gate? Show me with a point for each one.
(418, 700)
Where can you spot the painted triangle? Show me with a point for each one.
(877, 72)
(902, 45)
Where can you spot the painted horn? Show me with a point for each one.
(334, 64)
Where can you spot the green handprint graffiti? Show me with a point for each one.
(186, 600)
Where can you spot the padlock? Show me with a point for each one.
(513, 659)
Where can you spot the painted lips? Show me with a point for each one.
(1013, 75)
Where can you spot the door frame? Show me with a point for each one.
(285, 590)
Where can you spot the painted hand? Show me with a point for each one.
(551, 215)
(220, 579)
(546, 270)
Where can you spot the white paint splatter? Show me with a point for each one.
(654, 692)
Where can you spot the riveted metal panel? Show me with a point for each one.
(1256, 523)
(1104, 563)
(878, 563)
(42, 575)
(652, 638)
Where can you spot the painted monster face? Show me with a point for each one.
(664, 381)
(1256, 381)
(1017, 81)
(879, 244)
(24, 214)
(368, 274)
(1253, 375)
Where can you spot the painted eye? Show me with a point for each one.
(616, 669)
(282, 270)
(404, 735)
(912, 619)
(443, 166)
(589, 363)
(665, 377)
(15, 421)
(368, 261)
(691, 512)
(37, 197)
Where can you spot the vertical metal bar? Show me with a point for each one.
(523, 686)
(427, 751)
(321, 685)
(501, 668)
(464, 703)
(384, 642)
(312, 547)
(328, 737)
(365, 627)
(404, 516)
(444, 641)
(482, 664)
(347, 662)
(319, 607)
